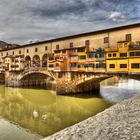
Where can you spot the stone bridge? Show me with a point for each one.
(65, 82)
(29, 77)
(80, 84)
(31, 71)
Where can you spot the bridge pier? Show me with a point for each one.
(79, 83)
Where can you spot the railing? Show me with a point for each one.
(134, 47)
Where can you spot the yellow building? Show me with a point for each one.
(134, 58)
(125, 58)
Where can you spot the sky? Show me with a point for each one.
(23, 21)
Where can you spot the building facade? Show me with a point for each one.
(110, 50)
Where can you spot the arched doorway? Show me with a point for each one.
(44, 60)
(27, 61)
(36, 61)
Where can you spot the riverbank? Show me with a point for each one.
(121, 121)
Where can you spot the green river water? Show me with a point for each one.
(30, 114)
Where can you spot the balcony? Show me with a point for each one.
(134, 47)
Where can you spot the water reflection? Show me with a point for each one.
(43, 111)
(117, 89)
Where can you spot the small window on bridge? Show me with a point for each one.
(46, 48)
(71, 45)
(87, 43)
(106, 40)
(128, 37)
(112, 66)
(19, 51)
(57, 47)
(110, 55)
(36, 50)
(123, 65)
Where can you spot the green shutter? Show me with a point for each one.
(86, 65)
(78, 65)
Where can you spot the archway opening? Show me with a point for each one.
(27, 61)
(44, 60)
(36, 61)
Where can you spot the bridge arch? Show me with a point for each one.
(36, 78)
(44, 60)
(36, 61)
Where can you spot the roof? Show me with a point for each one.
(88, 33)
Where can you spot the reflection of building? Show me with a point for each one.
(83, 52)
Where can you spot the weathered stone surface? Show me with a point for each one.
(120, 122)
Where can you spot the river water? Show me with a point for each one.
(31, 114)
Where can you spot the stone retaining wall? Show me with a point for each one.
(120, 122)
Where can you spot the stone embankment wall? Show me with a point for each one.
(120, 122)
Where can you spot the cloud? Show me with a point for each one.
(117, 17)
(44, 19)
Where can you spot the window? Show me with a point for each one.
(138, 43)
(82, 57)
(7, 53)
(57, 65)
(71, 45)
(135, 65)
(97, 65)
(125, 44)
(19, 51)
(51, 65)
(123, 65)
(91, 55)
(46, 48)
(114, 54)
(13, 52)
(27, 50)
(1, 54)
(57, 47)
(87, 43)
(134, 53)
(36, 50)
(64, 51)
(128, 37)
(123, 54)
(81, 49)
(106, 40)
(110, 55)
(112, 66)
(74, 50)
